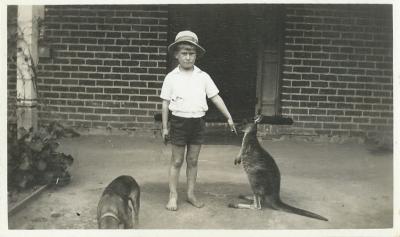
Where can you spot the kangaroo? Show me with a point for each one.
(263, 174)
(114, 210)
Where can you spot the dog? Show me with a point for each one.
(119, 202)
(263, 173)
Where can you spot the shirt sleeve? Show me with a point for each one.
(211, 88)
(166, 89)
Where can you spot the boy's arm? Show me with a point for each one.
(219, 103)
(164, 115)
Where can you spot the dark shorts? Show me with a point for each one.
(184, 131)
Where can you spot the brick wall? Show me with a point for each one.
(337, 72)
(107, 65)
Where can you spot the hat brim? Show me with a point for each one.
(200, 50)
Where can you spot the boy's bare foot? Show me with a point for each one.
(193, 200)
(172, 204)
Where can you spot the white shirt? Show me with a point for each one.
(187, 92)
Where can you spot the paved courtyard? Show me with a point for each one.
(346, 183)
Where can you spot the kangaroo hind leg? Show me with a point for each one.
(249, 198)
(256, 205)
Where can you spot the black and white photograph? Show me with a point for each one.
(199, 118)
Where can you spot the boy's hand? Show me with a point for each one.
(232, 125)
(165, 135)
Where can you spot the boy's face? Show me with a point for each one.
(186, 55)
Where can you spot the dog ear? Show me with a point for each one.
(258, 118)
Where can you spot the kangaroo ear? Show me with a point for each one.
(258, 118)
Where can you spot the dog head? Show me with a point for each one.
(110, 221)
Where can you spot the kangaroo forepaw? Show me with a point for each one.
(237, 161)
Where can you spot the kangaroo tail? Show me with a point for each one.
(278, 204)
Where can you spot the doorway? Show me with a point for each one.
(234, 37)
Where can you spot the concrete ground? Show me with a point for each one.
(346, 183)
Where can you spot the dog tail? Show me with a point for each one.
(278, 204)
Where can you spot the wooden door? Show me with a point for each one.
(269, 62)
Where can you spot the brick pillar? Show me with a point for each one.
(27, 59)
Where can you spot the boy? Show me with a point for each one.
(184, 92)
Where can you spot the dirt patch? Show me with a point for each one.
(15, 198)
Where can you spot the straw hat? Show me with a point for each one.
(187, 37)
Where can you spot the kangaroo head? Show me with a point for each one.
(250, 125)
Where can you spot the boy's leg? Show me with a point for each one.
(192, 157)
(178, 153)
